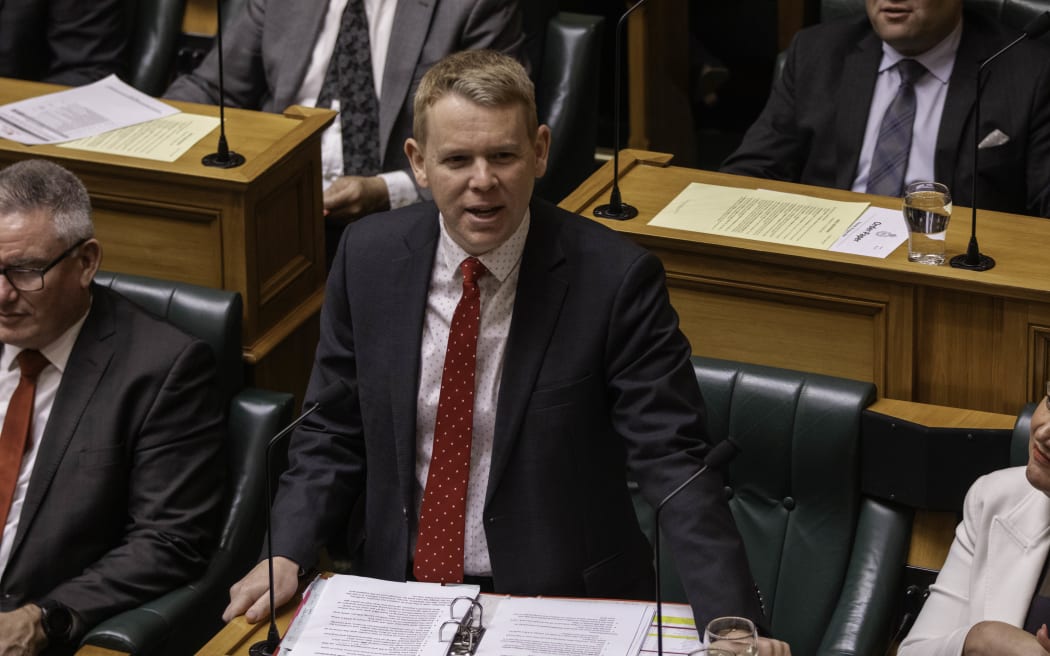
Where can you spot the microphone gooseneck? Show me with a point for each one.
(329, 395)
(719, 456)
(973, 259)
(223, 158)
(616, 208)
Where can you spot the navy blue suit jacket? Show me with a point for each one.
(596, 383)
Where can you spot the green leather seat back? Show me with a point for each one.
(184, 619)
(154, 29)
(826, 559)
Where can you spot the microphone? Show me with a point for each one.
(329, 395)
(616, 208)
(973, 259)
(224, 158)
(718, 457)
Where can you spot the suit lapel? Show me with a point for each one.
(304, 20)
(409, 33)
(859, 71)
(409, 284)
(542, 286)
(959, 105)
(87, 363)
(1020, 539)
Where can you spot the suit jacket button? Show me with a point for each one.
(789, 503)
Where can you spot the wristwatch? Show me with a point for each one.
(57, 621)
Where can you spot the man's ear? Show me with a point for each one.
(542, 148)
(89, 257)
(416, 158)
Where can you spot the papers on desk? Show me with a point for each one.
(782, 218)
(79, 112)
(163, 139)
(356, 616)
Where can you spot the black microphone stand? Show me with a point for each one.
(616, 208)
(224, 158)
(722, 453)
(273, 637)
(973, 259)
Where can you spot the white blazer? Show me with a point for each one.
(993, 565)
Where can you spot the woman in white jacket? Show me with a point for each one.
(993, 594)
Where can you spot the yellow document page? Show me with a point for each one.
(163, 139)
(763, 215)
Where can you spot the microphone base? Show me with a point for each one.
(264, 648)
(621, 213)
(980, 263)
(215, 160)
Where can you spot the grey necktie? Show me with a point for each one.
(889, 162)
(349, 80)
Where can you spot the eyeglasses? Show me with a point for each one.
(26, 279)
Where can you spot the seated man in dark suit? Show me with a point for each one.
(335, 53)
(532, 352)
(110, 455)
(63, 41)
(873, 103)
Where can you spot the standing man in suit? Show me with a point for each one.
(280, 53)
(521, 355)
(110, 467)
(822, 123)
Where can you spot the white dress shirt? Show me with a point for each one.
(57, 354)
(498, 290)
(380, 23)
(930, 92)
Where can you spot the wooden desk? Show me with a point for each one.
(256, 229)
(973, 340)
(237, 637)
(91, 650)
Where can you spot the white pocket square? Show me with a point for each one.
(994, 138)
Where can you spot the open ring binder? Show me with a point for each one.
(466, 634)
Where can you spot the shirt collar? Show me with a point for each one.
(57, 352)
(499, 262)
(938, 60)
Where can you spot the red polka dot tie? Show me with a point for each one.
(439, 548)
(17, 423)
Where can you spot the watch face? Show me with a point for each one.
(57, 621)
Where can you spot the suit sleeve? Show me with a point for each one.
(326, 455)
(773, 146)
(942, 624)
(174, 492)
(658, 410)
(245, 81)
(496, 25)
(1038, 174)
(87, 40)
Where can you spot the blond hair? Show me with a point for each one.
(485, 77)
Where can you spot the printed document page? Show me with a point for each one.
(763, 215)
(680, 633)
(79, 112)
(164, 139)
(877, 233)
(358, 616)
(523, 626)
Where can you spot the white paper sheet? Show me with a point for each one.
(79, 112)
(524, 626)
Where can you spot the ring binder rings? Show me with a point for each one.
(466, 637)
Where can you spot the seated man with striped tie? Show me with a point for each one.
(874, 103)
(507, 363)
(361, 57)
(110, 460)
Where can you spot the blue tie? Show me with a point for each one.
(889, 162)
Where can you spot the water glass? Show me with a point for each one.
(927, 208)
(736, 635)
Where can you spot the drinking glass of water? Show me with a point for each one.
(927, 208)
(733, 634)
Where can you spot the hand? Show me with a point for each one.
(251, 595)
(21, 632)
(351, 197)
(1004, 639)
(771, 647)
